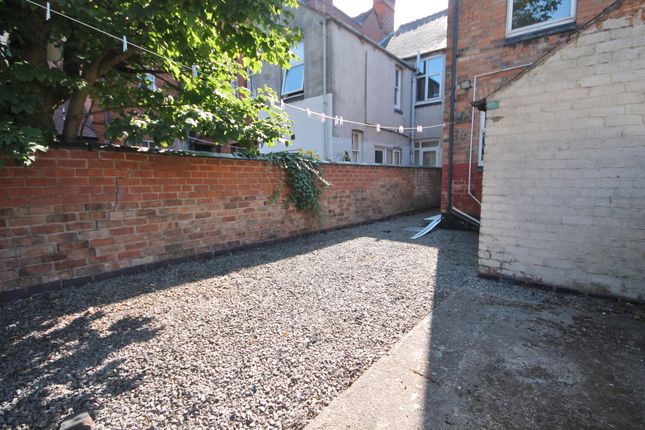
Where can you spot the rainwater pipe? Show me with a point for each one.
(472, 126)
(328, 150)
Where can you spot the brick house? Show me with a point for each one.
(493, 41)
(564, 193)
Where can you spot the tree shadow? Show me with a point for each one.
(62, 339)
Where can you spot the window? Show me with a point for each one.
(430, 80)
(378, 155)
(397, 157)
(525, 16)
(151, 82)
(482, 138)
(427, 153)
(387, 156)
(397, 88)
(294, 77)
(357, 143)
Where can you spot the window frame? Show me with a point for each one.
(398, 79)
(540, 25)
(482, 137)
(396, 152)
(382, 151)
(300, 62)
(420, 149)
(425, 76)
(151, 78)
(358, 151)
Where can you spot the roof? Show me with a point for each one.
(423, 35)
(360, 19)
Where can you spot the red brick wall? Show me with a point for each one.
(78, 214)
(482, 49)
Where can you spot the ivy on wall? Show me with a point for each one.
(305, 179)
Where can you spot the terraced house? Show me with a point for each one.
(343, 71)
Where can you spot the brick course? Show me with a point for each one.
(564, 186)
(79, 214)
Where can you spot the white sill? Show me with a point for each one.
(429, 102)
(538, 27)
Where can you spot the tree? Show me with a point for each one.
(528, 12)
(223, 39)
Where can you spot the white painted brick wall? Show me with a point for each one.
(564, 182)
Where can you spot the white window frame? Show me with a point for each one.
(396, 154)
(427, 78)
(152, 81)
(421, 150)
(356, 152)
(381, 150)
(539, 26)
(398, 74)
(298, 62)
(482, 137)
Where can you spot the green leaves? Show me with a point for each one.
(305, 178)
(224, 39)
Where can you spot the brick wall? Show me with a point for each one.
(484, 48)
(564, 187)
(78, 214)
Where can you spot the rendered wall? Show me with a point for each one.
(564, 185)
(77, 215)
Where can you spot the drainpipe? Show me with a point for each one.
(453, 100)
(413, 113)
(326, 137)
(472, 124)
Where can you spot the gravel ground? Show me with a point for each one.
(264, 338)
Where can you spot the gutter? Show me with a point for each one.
(361, 36)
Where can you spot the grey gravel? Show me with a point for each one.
(257, 339)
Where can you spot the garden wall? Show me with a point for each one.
(78, 216)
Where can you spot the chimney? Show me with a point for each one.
(323, 6)
(385, 13)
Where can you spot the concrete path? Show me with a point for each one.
(489, 360)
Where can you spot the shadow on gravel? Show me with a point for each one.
(507, 356)
(72, 358)
(73, 355)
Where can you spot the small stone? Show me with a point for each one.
(81, 421)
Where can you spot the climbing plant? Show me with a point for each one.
(305, 179)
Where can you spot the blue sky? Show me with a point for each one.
(406, 10)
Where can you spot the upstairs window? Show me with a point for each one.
(430, 80)
(294, 78)
(151, 82)
(397, 88)
(525, 16)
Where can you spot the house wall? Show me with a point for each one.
(360, 80)
(483, 48)
(79, 215)
(564, 186)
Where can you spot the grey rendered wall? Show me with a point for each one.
(362, 80)
(564, 185)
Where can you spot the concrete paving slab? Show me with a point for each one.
(483, 360)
